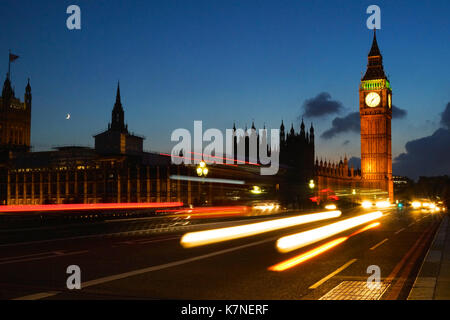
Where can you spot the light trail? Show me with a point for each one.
(366, 204)
(299, 240)
(83, 206)
(307, 255)
(290, 263)
(207, 161)
(225, 158)
(369, 226)
(212, 180)
(208, 212)
(193, 239)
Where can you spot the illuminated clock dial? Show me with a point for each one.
(373, 99)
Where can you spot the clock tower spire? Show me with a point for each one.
(117, 118)
(375, 108)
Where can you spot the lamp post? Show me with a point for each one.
(311, 186)
(354, 195)
(202, 170)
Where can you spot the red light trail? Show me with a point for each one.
(82, 206)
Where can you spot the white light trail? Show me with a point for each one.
(299, 240)
(193, 239)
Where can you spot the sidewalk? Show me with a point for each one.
(433, 280)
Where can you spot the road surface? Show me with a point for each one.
(143, 259)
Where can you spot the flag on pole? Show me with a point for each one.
(13, 57)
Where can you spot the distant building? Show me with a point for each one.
(400, 180)
(15, 119)
(375, 109)
(117, 139)
(115, 170)
(296, 158)
(374, 180)
(296, 148)
(339, 178)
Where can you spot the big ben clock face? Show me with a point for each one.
(373, 99)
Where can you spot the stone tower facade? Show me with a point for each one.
(375, 108)
(15, 119)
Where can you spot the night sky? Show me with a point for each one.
(225, 61)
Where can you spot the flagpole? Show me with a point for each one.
(9, 65)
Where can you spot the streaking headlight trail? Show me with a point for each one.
(193, 239)
(316, 251)
(307, 255)
(298, 240)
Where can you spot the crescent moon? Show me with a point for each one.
(68, 116)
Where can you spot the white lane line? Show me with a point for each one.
(38, 296)
(318, 283)
(54, 255)
(167, 265)
(144, 241)
(26, 256)
(410, 225)
(158, 240)
(70, 238)
(120, 276)
(379, 244)
(400, 230)
(129, 232)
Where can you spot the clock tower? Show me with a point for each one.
(375, 109)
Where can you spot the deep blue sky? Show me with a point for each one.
(219, 61)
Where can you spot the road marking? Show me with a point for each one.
(130, 232)
(26, 256)
(53, 255)
(145, 241)
(379, 244)
(70, 238)
(398, 231)
(124, 275)
(38, 296)
(355, 290)
(411, 250)
(158, 240)
(410, 225)
(395, 292)
(318, 283)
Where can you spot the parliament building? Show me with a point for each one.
(118, 170)
(374, 180)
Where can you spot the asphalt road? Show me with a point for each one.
(143, 259)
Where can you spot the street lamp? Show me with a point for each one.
(256, 190)
(311, 186)
(202, 170)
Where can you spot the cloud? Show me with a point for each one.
(321, 105)
(427, 156)
(445, 117)
(349, 123)
(398, 113)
